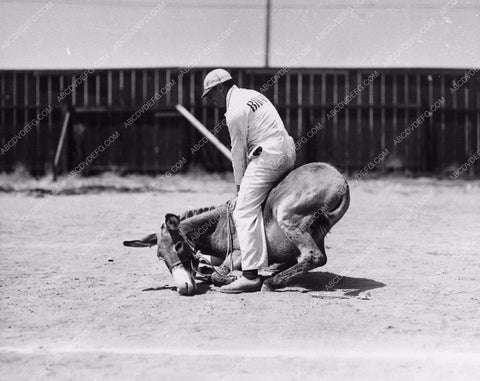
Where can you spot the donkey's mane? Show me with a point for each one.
(194, 212)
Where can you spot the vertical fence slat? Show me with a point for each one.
(382, 122)
(468, 153)
(133, 93)
(168, 78)
(359, 128)
(394, 111)
(26, 142)
(85, 92)
(49, 90)
(97, 89)
(275, 93)
(418, 110)
(61, 83)
(179, 86)
(3, 126)
(371, 121)
(144, 86)
(335, 120)
(441, 138)
(14, 120)
(74, 90)
(109, 88)
(50, 119)
(300, 129)
(347, 125)
(121, 87)
(326, 146)
(134, 130)
(39, 148)
(311, 120)
(454, 127)
(239, 78)
(156, 83)
(287, 101)
(477, 106)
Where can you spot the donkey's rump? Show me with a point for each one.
(311, 197)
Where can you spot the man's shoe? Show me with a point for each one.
(242, 284)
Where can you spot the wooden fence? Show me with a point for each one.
(345, 116)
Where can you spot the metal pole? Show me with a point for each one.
(267, 34)
(204, 130)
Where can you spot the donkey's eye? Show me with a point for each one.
(178, 246)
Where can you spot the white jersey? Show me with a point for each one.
(252, 121)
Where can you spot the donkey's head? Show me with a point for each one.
(177, 254)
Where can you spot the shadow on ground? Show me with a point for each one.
(325, 281)
(87, 189)
(201, 288)
(312, 281)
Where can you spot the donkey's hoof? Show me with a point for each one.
(266, 288)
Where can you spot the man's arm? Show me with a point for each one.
(237, 128)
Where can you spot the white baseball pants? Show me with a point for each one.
(261, 173)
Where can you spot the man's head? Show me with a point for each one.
(216, 85)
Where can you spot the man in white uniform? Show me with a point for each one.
(262, 152)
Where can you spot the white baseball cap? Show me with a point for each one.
(214, 78)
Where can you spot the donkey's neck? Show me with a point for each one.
(201, 227)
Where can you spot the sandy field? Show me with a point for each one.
(404, 263)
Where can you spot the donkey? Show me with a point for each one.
(298, 213)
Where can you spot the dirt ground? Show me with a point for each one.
(404, 264)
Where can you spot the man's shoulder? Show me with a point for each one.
(247, 94)
(238, 104)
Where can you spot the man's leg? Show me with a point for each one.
(257, 182)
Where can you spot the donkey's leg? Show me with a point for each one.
(311, 256)
(221, 277)
(234, 257)
(275, 268)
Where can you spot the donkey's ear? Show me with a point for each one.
(172, 221)
(147, 241)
